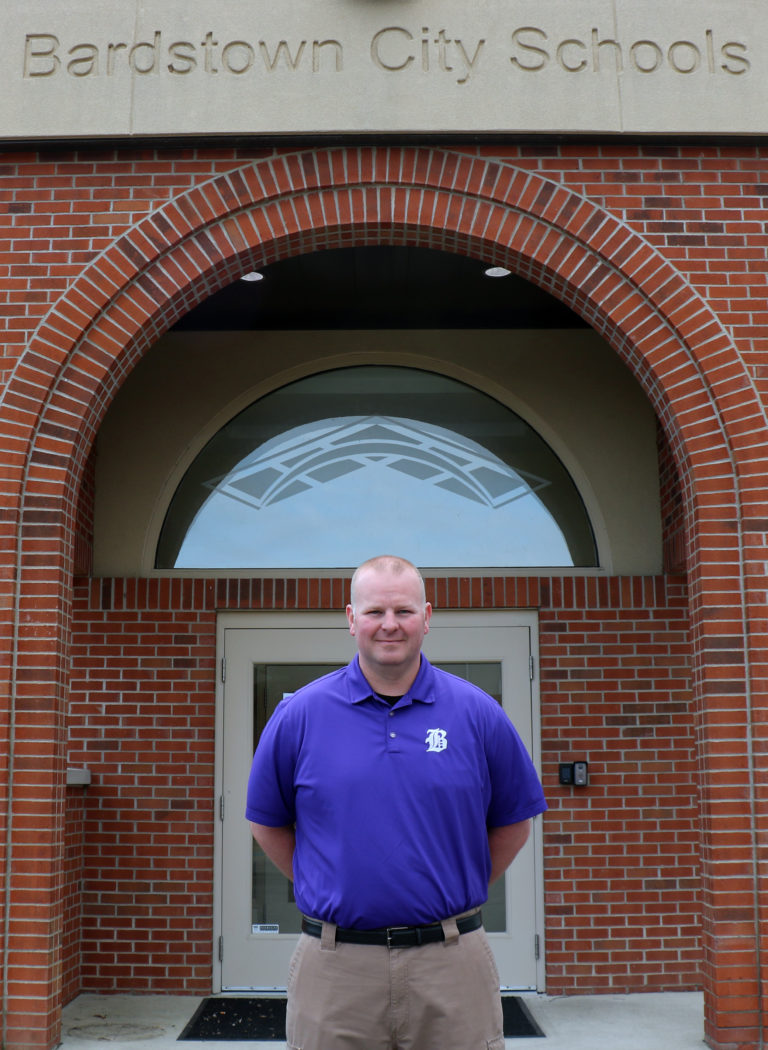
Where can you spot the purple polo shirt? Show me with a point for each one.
(391, 805)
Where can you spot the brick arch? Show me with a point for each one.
(284, 206)
(197, 243)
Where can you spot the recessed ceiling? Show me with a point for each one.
(379, 287)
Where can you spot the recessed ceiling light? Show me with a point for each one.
(252, 276)
(497, 271)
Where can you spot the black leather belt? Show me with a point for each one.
(395, 936)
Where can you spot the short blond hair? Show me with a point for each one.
(390, 563)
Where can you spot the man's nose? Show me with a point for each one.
(390, 620)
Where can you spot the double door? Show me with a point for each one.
(266, 657)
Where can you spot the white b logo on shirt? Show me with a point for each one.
(436, 739)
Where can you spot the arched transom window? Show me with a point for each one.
(333, 468)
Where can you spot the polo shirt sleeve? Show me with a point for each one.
(516, 791)
(271, 796)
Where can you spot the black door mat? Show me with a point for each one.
(238, 1017)
(518, 1021)
(244, 1017)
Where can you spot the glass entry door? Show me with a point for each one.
(273, 910)
(264, 662)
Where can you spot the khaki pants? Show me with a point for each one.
(442, 996)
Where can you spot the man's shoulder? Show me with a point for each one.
(331, 684)
(455, 685)
(466, 697)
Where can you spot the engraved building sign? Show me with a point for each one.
(94, 68)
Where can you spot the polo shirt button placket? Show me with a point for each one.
(392, 744)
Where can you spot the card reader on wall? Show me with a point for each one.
(574, 774)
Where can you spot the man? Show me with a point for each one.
(392, 793)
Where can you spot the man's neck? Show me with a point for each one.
(396, 684)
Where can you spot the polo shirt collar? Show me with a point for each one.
(422, 689)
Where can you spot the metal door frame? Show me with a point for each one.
(307, 620)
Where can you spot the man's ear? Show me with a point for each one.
(351, 619)
(427, 617)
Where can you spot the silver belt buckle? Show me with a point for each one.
(390, 931)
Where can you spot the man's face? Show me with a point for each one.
(389, 621)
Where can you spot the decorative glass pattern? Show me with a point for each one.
(306, 458)
(331, 490)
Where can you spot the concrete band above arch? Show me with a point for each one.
(261, 212)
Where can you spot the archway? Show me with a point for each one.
(435, 198)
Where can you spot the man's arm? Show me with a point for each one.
(505, 844)
(278, 844)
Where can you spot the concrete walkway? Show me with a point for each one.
(668, 1021)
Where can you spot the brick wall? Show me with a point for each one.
(621, 868)
(702, 206)
(621, 857)
(142, 720)
(663, 251)
(74, 872)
